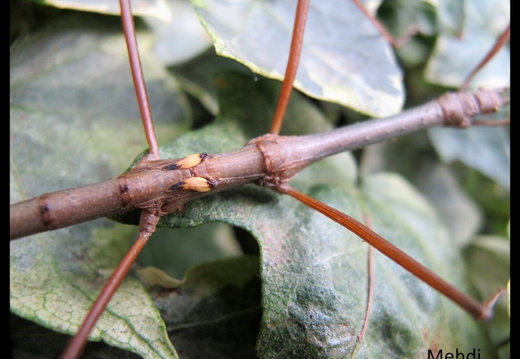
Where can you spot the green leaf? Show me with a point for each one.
(406, 17)
(72, 95)
(488, 259)
(52, 286)
(197, 77)
(216, 311)
(457, 53)
(409, 22)
(436, 181)
(179, 35)
(155, 8)
(483, 148)
(179, 38)
(176, 252)
(314, 272)
(344, 58)
(466, 36)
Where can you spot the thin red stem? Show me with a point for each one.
(476, 309)
(292, 65)
(78, 342)
(137, 75)
(502, 40)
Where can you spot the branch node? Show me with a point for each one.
(459, 107)
(277, 173)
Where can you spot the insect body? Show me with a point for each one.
(311, 269)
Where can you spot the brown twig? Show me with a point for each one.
(257, 161)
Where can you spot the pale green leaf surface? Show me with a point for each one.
(468, 30)
(456, 53)
(488, 259)
(55, 289)
(437, 182)
(371, 5)
(181, 37)
(155, 8)
(483, 148)
(451, 16)
(344, 59)
(495, 251)
(457, 210)
(78, 80)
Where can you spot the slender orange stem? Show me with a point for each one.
(476, 309)
(501, 41)
(78, 342)
(292, 65)
(137, 76)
